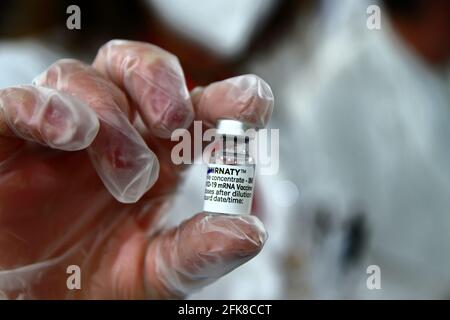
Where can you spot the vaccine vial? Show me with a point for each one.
(231, 170)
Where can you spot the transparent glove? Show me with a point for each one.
(80, 185)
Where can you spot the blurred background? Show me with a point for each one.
(363, 116)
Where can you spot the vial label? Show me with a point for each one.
(229, 189)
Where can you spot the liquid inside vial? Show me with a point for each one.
(231, 171)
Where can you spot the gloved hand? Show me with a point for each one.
(79, 122)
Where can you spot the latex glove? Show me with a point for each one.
(73, 126)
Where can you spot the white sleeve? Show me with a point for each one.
(335, 169)
(21, 61)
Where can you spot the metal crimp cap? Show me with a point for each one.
(233, 128)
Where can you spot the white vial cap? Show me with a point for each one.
(232, 127)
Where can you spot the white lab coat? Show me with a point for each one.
(369, 123)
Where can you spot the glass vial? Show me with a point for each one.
(231, 170)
